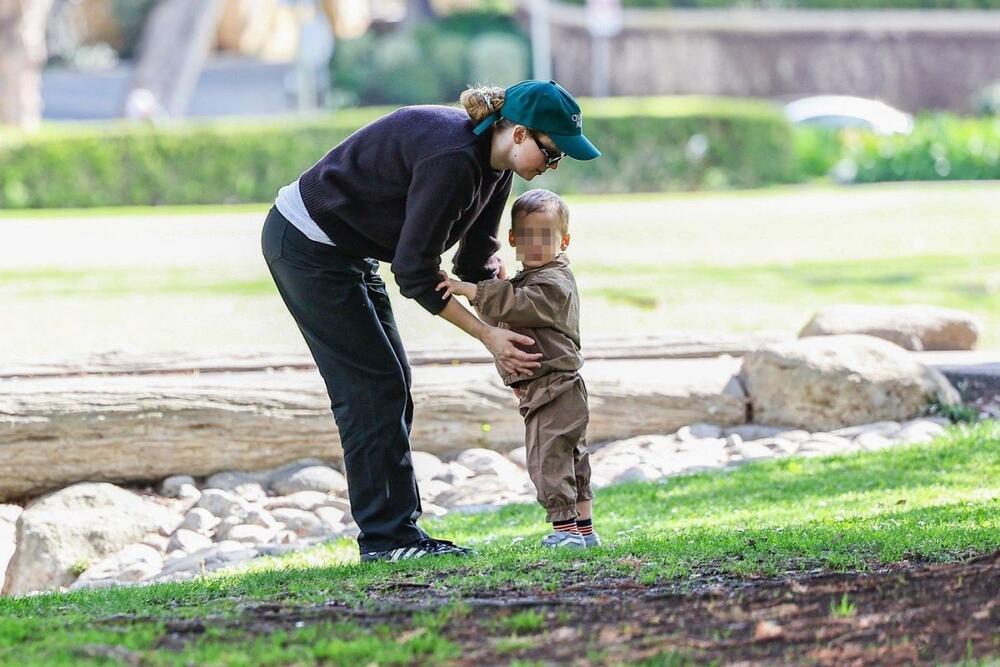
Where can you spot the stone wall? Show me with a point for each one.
(911, 59)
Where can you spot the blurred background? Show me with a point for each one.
(762, 160)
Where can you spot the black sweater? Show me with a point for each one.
(407, 187)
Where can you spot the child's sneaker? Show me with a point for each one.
(560, 539)
(592, 540)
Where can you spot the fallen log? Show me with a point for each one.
(660, 346)
(55, 431)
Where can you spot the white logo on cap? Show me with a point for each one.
(578, 119)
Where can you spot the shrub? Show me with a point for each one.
(941, 147)
(432, 61)
(649, 144)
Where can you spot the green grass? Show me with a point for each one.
(192, 278)
(935, 502)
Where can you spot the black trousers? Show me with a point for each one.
(343, 311)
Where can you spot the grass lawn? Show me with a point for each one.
(192, 279)
(929, 503)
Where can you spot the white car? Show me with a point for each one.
(839, 111)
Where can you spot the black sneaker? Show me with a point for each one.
(427, 546)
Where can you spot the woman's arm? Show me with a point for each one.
(500, 342)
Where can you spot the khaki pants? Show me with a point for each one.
(555, 414)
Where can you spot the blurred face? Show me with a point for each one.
(537, 238)
(534, 153)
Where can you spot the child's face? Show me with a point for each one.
(537, 238)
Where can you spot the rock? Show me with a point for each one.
(779, 446)
(753, 431)
(246, 485)
(222, 530)
(300, 522)
(301, 500)
(8, 536)
(223, 504)
(753, 451)
(830, 382)
(642, 472)
(823, 444)
(426, 466)
(872, 441)
(480, 492)
(710, 456)
(699, 431)
(332, 518)
(519, 456)
(912, 327)
(200, 520)
(311, 478)
(431, 489)
(133, 563)
(887, 429)
(919, 431)
(213, 558)
(258, 516)
(488, 462)
(76, 526)
(430, 509)
(456, 473)
(156, 541)
(179, 486)
(251, 534)
(188, 541)
(796, 435)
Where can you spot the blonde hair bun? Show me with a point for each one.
(481, 101)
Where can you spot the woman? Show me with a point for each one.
(404, 189)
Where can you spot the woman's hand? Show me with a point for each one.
(501, 344)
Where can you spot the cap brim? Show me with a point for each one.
(576, 146)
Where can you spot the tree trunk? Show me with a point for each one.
(176, 39)
(55, 431)
(22, 42)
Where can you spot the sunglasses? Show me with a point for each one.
(550, 157)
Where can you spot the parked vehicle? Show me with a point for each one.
(845, 111)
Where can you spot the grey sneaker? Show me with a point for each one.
(560, 539)
(592, 540)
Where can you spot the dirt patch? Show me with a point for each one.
(900, 616)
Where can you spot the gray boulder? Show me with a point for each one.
(60, 533)
(831, 382)
(311, 478)
(912, 327)
(133, 563)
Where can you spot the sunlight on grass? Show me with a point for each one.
(934, 502)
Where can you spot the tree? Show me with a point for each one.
(22, 56)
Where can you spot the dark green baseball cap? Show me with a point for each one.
(547, 107)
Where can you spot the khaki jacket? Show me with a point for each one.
(542, 303)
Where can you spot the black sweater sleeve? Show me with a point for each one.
(442, 187)
(472, 260)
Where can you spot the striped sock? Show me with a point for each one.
(567, 526)
(585, 526)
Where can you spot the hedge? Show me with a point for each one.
(941, 147)
(649, 144)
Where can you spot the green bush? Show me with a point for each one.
(685, 143)
(431, 61)
(940, 148)
(649, 144)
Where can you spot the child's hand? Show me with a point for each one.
(468, 290)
